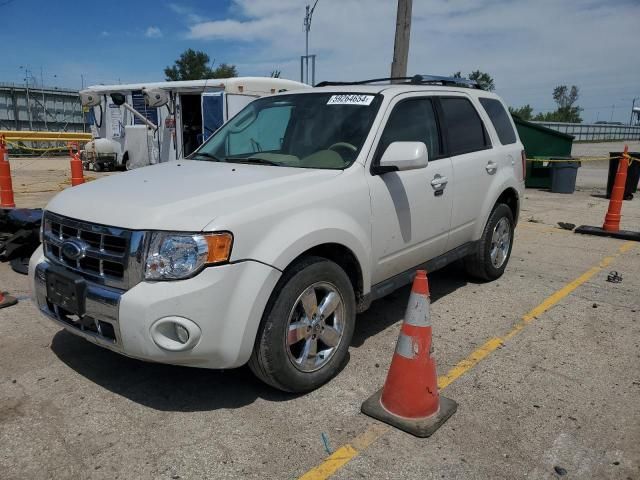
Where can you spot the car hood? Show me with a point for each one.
(184, 195)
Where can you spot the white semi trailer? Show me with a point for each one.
(140, 124)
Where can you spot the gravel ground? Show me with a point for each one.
(560, 396)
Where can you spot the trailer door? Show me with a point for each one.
(212, 113)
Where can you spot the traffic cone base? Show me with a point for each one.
(601, 232)
(420, 427)
(7, 300)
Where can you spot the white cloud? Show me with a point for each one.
(153, 32)
(104, 33)
(186, 12)
(528, 47)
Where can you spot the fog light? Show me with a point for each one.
(175, 334)
(182, 333)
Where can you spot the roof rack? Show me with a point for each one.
(415, 80)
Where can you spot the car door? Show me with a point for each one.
(410, 209)
(474, 164)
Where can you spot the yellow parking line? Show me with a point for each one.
(346, 453)
(468, 363)
(332, 464)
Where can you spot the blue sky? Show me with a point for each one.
(528, 46)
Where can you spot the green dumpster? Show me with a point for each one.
(541, 141)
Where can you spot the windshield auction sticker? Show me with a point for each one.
(350, 99)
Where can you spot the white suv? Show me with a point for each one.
(294, 216)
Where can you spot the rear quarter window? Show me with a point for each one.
(500, 120)
(465, 130)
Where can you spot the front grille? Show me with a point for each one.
(108, 255)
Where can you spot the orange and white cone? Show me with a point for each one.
(409, 399)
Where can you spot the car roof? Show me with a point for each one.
(395, 89)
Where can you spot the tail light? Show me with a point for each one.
(524, 164)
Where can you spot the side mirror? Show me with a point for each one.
(401, 156)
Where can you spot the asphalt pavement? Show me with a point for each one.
(544, 364)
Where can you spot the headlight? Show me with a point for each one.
(173, 256)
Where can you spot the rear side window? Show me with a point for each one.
(500, 120)
(412, 120)
(463, 125)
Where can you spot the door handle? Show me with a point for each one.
(439, 182)
(491, 167)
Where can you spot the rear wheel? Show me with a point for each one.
(493, 250)
(306, 328)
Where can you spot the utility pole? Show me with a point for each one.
(401, 44)
(44, 105)
(27, 74)
(304, 61)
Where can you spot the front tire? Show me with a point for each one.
(493, 250)
(306, 328)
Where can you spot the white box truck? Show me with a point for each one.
(140, 124)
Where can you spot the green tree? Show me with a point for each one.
(484, 79)
(194, 65)
(565, 97)
(224, 70)
(567, 110)
(525, 112)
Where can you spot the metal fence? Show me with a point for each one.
(35, 108)
(594, 132)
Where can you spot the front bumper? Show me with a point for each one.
(225, 302)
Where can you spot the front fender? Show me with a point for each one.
(279, 239)
(294, 235)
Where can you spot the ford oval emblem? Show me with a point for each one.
(74, 249)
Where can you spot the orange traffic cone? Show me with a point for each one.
(77, 174)
(6, 187)
(611, 225)
(409, 399)
(7, 300)
(613, 216)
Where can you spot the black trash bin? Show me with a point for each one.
(563, 176)
(633, 175)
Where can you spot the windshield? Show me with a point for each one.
(311, 130)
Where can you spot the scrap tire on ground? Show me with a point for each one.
(480, 264)
(273, 358)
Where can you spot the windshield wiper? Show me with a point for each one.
(257, 160)
(207, 155)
